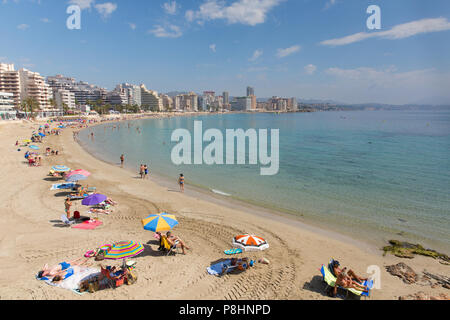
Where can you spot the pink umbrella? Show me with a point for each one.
(81, 172)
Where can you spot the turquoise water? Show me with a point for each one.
(375, 175)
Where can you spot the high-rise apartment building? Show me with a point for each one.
(150, 99)
(250, 91)
(33, 85)
(241, 104)
(7, 111)
(10, 82)
(64, 97)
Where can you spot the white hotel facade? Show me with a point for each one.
(7, 111)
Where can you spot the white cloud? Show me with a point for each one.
(310, 69)
(258, 53)
(45, 20)
(106, 9)
(170, 7)
(248, 12)
(83, 4)
(330, 3)
(171, 31)
(400, 31)
(23, 26)
(212, 47)
(133, 26)
(281, 53)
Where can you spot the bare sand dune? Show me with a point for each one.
(31, 235)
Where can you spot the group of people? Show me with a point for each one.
(49, 151)
(61, 271)
(346, 278)
(143, 171)
(33, 159)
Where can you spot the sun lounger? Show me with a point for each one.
(330, 280)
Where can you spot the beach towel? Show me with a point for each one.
(59, 186)
(73, 282)
(330, 279)
(88, 225)
(233, 251)
(216, 269)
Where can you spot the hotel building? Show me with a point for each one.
(10, 82)
(7, 111)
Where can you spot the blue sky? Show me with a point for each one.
(317, 49)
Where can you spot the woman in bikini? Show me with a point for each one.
(181, 182)
(51, 272)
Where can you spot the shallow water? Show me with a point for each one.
(375, 175)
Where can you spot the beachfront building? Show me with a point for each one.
(250, 91)
(283, 104)
(7, 111)
(63, 98)
(241, 104)
(33, 85)
(10, 82)
(133, 93)
(150, 99)
(226, 100)
(208, 99)
(168, 103)
(82, 90)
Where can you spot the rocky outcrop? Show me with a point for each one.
(408, 250)
(404, 272)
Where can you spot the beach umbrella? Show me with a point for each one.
(124, 249)
(249, 242)
(26, 141)
(94, 199)
(33, 147)
(60, 168)
(76, 177)
(159, 222)
(80, 172)
(41, 134)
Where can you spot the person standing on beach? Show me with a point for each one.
(122, 159)
(145, 172)
(141, 171)
(181, 182)
(68, 204)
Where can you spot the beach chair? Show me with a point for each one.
(115, 280)
(330, 281)
(167, 247)
(66, 221)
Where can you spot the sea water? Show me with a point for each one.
(373, 175)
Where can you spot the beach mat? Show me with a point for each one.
(88, 225)
(60, 186)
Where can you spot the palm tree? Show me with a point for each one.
(30, 105)
(65, 108)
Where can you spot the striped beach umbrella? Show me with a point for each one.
(248, 242)
(159, 222)
(79, 171)
(124, 249)
(60, 168)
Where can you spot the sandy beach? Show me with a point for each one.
(31, 235)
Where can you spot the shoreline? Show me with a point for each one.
(31, 237)
(195, 191)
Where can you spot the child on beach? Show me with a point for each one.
(145, 171)
(68, 204)
(181, 182)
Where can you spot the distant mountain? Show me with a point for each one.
(175, 93)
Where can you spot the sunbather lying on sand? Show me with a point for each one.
(240, 264)
(345, 281)
(50, 272)
(94, 210)
(64, 274)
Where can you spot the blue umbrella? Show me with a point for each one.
(159, 222)
(94, 199)
(41, 134)
(33, 147)
(76, 177)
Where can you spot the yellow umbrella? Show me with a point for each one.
(159, 222)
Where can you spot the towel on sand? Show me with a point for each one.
(73, 282)
(88, 225)
(216, 269)
(59, 186)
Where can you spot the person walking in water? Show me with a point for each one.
(181, 182)
(122, 159)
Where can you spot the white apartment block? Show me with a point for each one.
(66, 97)
(151, 99)
(10, 81)
(32, 85)
(7, 111)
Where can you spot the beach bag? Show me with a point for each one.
(100, 256)
(76, 215)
